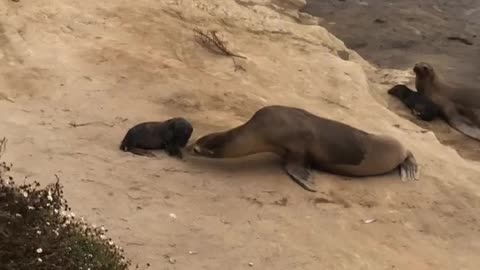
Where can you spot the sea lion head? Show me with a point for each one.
(211, 145)
(424, 75)
(179, 130)
(400, 91)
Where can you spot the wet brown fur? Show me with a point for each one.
(302, 137)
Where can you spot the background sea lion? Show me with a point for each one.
(459, 105)
(420, 105)
(306, 141)
(170, 135)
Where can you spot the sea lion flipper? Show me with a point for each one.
(409, 168)
(174, 150)
(464, 125)
(300, 175)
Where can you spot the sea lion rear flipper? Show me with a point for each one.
(141, 152)
(464, 125)
(300, 175)
(409, 168)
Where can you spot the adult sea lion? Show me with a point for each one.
(420, 105)
(306, 141)
(170, 135)
(459, 105)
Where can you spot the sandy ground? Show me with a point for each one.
(111, 64)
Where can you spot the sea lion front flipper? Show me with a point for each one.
(173, 150)
(409, 168)
(300, 175)
(141, 152)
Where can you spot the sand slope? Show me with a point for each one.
(112, 64)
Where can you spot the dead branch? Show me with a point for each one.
(334, 103)
(211, 41)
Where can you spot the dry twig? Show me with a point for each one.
(73, 124)
(212, 42)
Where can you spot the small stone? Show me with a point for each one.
(367, 221)
(172, 260)
(250, 264)
(172, 215)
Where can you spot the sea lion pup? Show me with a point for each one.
(306, 141)
(420, 105)
(459, 105)
(170, 135)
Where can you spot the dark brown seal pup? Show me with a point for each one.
(459, 105)
(420, 105)
(306, 141)
(170, 135)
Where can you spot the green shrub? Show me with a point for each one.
(39, 231)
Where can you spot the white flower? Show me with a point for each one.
(25, 194)
(63, 213)
(49, 196)
(31, 208)
(56, 211)
(18, 215)
(39, 250)
(48, 223)
(72, 214)
(102, 228)
(110, 243)
(55, 232)
(103, 237)
(39, 232)
(40, 259)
